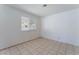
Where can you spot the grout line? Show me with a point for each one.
(18, 44)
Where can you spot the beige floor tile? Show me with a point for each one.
(76, 50)
(5, 52)
(61, 49)
(70, 50)
(39, 51)
(42, 47)
(23, 50)
(14, 51)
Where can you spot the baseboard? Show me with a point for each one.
(69, 39)
(19, 43)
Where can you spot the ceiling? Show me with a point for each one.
(39, 10)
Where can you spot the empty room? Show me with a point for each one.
(39, 29)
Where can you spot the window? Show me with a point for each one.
(27, 24)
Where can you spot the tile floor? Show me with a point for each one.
(42, 47)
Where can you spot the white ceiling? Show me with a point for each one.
(39, 10)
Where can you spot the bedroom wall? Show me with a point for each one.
(10, 26)
(63, 27)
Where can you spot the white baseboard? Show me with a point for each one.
(63, 38)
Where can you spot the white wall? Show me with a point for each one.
(10, 26)
(63, 27)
